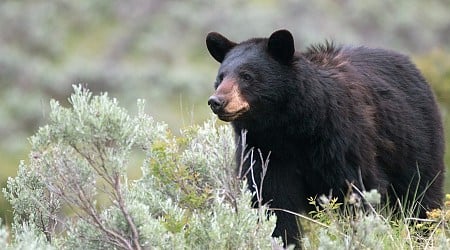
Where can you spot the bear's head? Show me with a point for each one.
(253, 75)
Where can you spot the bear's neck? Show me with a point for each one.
(273, 138)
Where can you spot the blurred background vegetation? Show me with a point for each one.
(154, 49)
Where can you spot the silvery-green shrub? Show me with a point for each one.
(74, 192)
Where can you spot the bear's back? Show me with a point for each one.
(407, 119)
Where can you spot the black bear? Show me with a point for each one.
(329, 116)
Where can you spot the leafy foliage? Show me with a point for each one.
(75, 193)
(360, 223)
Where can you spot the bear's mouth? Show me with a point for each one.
(229, 117)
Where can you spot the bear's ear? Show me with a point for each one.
(281, 46)
(218, 45)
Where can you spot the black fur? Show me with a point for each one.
(333, 115)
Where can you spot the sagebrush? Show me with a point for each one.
(75, 193)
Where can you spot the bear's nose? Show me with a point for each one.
(215, 103)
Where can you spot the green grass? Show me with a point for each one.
(359, 224)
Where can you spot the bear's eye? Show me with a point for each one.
(246, 76)
(219, 78)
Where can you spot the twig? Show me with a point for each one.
(126, 214)
(245, 154)
(264, 167)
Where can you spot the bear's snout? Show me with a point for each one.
(216, 103)
(227, 102)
